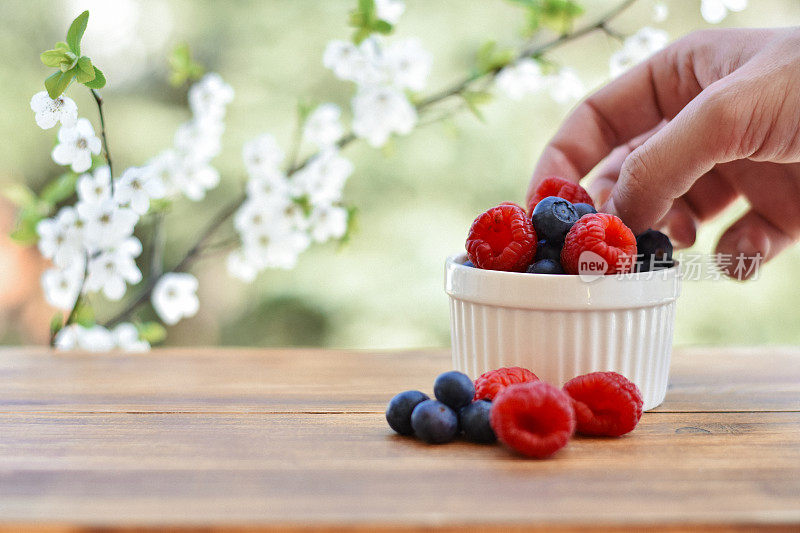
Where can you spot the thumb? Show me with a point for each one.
(668, 163)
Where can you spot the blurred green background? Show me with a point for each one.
(416, 199)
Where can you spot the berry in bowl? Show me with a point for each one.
(565, 290)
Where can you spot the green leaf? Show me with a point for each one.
(19, 194)
(367, 9)
(559, 15)
(352, 226)
(98, 82)
(474, 99)
(182, 67)
(85, 70)
(56, 323)
(75, 32)
(61, 188)
(360, 35)
(25, 231)
(84, 314)
(160, 205)
(363, 19)
(304, 203)
(489, 58)
(57, 83)
(53, 58)
(382, 27)
(152, 332)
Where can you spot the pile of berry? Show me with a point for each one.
(513, 405)
(560, 224)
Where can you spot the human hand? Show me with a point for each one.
(714, 116)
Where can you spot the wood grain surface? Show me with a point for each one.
(250, 440)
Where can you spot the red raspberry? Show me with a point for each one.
(606, 236)
(555, 186)
(605, 403)
(491, 383)
(502, 238)
(533, 418)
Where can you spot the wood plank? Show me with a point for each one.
(764, 378)
(224, 380)
(341, 470)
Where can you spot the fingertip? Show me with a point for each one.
(745, 245)
(631, 217)
(681, 225)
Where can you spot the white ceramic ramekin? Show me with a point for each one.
(562, 326)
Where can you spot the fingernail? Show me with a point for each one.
(746, 247)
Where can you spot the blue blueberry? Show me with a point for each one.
(545, 266)
(434, 422)
(454, 389)
(468, 263)
(548, 250)
(552, 218)
(584, 209)
(398, 412)
(474, 421)
(654, 251)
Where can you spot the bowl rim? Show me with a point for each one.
(559, 292)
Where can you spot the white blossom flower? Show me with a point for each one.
(268, 186)
(256, 214)
(520, 78)
(715, 11)
(106, 224)
(109, 270)
(137, 186)
(76, 144)
(60, 237)
(379, 112)
(262, 155)
(408, 64)
(322, 180)
(323, 127)
(637, 48)
(328, 222)
(195, 178)
(390, 10)
(199, 140)
(361, 64)
(95, 338)
(660, 11)
(341, 57)
(66, 338)
(291, 218)
(240, 267)
(95, 187)
(126, 337)
(48, 112)
(175, 297)
(99, 339)
(209, 96)
(165, 166)
(62, 285)
(565, 86)
(269, 248)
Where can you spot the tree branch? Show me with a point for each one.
(99, 100)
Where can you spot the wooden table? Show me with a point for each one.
(296, 440)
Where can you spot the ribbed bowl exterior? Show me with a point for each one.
(560, 327)
(559, 345)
